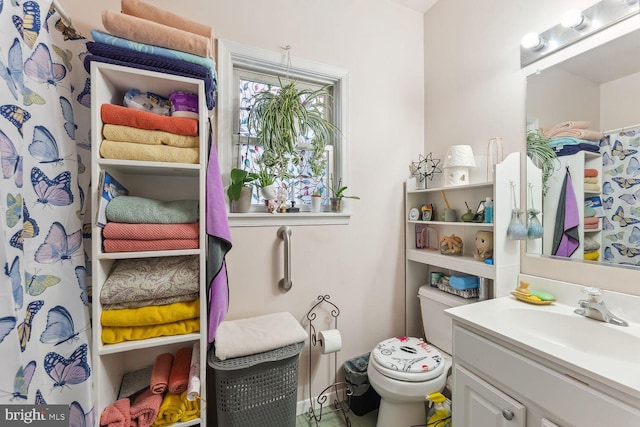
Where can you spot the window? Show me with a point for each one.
(303, 180)
(244, 71)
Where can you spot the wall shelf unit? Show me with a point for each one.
(500, 277)
(153, 180)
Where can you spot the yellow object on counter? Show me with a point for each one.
(523, 288)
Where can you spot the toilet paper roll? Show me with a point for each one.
(330, 341)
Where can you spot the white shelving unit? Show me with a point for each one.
(501, 277)
(156, 180)
(576, 163)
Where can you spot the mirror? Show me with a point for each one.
(600, 87)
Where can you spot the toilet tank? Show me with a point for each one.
(437, 325)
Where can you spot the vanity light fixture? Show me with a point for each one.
(584, 23)
(532, 41)
(574, 19)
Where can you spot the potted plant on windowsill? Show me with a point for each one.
(291, 118)
(338, 195)
(266, 180)
(239, 192)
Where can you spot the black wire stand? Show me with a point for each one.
(342, 391)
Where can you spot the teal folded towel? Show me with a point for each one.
(139, 210)
(589, 212)
(464, 282)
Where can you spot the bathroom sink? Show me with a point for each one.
(565, 328)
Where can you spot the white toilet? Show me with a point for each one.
(404, 370)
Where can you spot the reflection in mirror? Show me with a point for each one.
(587, 107)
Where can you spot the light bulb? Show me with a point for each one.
(532, 41)
(574, 19)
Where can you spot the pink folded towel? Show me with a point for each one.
(144, 409)
(160, 373)
(117, 414)
(152, 13)
(149, 32)
(591, 220)
(591, 135)
(122, 245)
(179, 377)
(120, 230)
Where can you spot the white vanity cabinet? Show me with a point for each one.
(484, 405)
(495, 380)
(420, 262)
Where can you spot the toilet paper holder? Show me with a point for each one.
(341, 390)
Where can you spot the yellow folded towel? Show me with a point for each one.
(149, 137)
(171, 410)
(149, 32)
(591, 180)
(151, 315)
(116, 334)
(150, 153)
(191, 408)
(592, 256)
(593, 188)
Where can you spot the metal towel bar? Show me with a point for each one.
(285, 234)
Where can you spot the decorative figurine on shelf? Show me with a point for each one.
(484, 245)
(424, 169)
(451, 245)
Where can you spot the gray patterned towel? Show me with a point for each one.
(143, 279)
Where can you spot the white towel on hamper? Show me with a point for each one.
(243, 337)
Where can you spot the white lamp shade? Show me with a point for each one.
(460, 156)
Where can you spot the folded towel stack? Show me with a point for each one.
(160, 396)
(147, 37)
(147, 136)
(150, 297)
(571, 137)
(137, 224)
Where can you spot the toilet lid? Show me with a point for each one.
(407, 359)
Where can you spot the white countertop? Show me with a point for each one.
(603, 352)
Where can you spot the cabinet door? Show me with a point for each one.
(477, 403)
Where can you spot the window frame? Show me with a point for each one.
(231, 55)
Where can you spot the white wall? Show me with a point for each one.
(360, 265)
(619, 102)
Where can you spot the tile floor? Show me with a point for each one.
(335, 419)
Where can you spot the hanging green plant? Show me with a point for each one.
(542, 155)
(283, 119)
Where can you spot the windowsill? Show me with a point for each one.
(264, 219)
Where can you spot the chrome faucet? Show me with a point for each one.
(594, 308)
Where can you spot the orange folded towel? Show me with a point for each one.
(144, 409)
(179, 377)
(149, 32)
(590, 173)
(152, 13)
(122, 245)
(119, 115)
(160, 373)
(116, 415)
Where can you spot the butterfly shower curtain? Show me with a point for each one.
(44, 144)
(621, 196)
